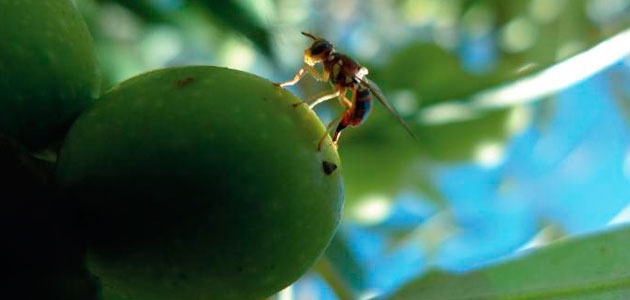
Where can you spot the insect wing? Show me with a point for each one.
(376, 91)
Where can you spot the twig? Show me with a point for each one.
(325, 269)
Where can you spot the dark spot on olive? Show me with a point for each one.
(329, 167)
(185, 81)
(603, 250)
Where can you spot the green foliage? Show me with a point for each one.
(373, 169)
(234, 16)
(593, 267)
(48, 67)
(430, 72)
(547, 32)
(231, 15)
(344, 261)
(201, 182)
(143, 8)
(461, 141)
(139, 165)
(379, 159)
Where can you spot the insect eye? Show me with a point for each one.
(320, 47)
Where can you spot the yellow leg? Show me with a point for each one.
(300, 73)
(321, 98)
(343, 99)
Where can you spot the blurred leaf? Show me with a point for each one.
(379, 161)
(461, 141)
(433, 74)
(557, 29)
(142, 8)
(546, 32)
(340, 257)
(430, 234)
(333, 278)
(235, 16)
(619, 88)
(232, 15)
(593, 267)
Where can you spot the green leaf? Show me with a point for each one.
(380, 161)
(231, 15)
(592, 267)
(344, 262)
(240, 18)
(462, 141)
(142, 8)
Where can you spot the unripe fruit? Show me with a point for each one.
(48, 69)
(201, 183)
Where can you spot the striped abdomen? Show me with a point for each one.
(362, 106)
(358, 113)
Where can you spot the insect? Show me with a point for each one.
(346, 75)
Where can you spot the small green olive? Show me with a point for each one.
(201, 183)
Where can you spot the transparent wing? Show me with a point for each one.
(376, 91)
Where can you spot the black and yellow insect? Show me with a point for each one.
(346, 75)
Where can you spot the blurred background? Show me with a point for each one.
(522, 109)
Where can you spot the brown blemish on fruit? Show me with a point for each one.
(329, 167)
(185, 81)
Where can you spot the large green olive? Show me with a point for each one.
(201, 183)
(48, 69)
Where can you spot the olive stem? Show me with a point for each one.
(325, 269)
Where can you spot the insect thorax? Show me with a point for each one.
(343, 70)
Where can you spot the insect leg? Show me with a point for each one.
(300, 73)
(319, 76)
(342, 125)
(339, 120)
(344, 100)
(321, 98)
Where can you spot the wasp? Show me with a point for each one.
(346, 75)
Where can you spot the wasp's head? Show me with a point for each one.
(318, 51)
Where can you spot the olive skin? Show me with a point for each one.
(48, 70)
(201, 183)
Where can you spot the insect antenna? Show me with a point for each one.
(377, 93)
(309, 35)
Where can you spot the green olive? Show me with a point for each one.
(201, 183)
(48, 69)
